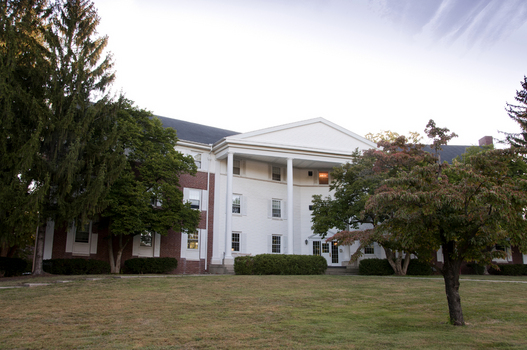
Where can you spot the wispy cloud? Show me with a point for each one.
(476, 22)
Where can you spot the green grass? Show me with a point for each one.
(261, 312)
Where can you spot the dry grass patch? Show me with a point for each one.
(261, 312)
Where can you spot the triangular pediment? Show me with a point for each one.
(310, 134)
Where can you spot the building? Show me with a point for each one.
(254, 191)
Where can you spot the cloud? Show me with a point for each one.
(475, 22)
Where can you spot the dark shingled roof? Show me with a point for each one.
(449, 152)
(196, 132)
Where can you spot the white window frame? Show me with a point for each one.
(367, 249)
(276, 241)
(143, 251)
(276, 211)
(81, 248)
(237, 167)
(278, 174)
(237, 241)
(237, 204)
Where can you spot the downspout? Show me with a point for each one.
(208, 205)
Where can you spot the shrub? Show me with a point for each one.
(12, 266)
(150, 265)
(416, 267)
(375, 267)
(76, 266)
(511, 269)
(476, 268)
(278, 264)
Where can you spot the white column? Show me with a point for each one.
(290, 205)
(228, 209)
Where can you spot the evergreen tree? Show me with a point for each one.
(24, 76)
(518, 113)
(78, 156)
(147, 199)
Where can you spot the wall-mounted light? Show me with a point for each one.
(306, 242)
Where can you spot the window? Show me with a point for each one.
(236, 167)
(325, 247)
(235, 242)
(316, 247)
(197, 160)
(323, 177)
(82, 234)
(276, 174)
(194, 197)
(146, 239)
(192, 240)
(275, 248)
(236, 203)
(369, 249)
(277, 211)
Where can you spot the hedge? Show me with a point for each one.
(381, 267)
(12, 266)
(510, 270)
(149, 265)
(76, 266)
(278, 264)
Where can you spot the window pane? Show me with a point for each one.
(323, 177)
(146, 239)
(82, 234)
(235, 242)
(276, 244)
(316, 247)
(192, 240)
(236, 203)
(276, 173)
(325, 247)
(236, 167)
(277, 212)
(369, 249)
(197, 160)
(194, 198)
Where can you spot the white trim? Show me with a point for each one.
(48, 242)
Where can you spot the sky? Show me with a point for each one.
(366, 65)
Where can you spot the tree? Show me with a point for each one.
(147, 198)
(518, 113)
(24, 73)
(465, 209)
(391, 136)
(354, 183)
(77, 157)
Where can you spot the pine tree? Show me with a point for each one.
(518, 113)
(24, 73)
(78, 155)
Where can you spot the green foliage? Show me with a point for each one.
(150, 265)
(12, 266)
(477, 268)
(76, 266)
(375, 267)
(277, 264)
(518, 113)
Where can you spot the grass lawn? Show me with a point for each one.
(260, 312)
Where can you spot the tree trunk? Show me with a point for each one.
(451, 270)
(115, 261)
(39, 250)
(396, 261)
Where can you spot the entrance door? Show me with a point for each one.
(330, 251)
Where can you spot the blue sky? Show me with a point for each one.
(365, 65)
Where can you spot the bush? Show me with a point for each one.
(12, 266)
(511, 269)
(476, 268)
(416, 268)
(275, 264)
(375, 267)
(77, 266)
(150, 265)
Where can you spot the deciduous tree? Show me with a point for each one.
(147, 199)
(354, 183)
(465, 209)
